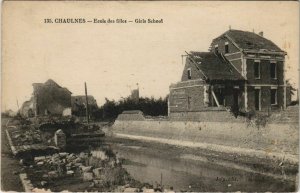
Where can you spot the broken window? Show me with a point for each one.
(273, 70)
(216, 49)
(189, 73)
(226, 48)
(257, 69)
(273, 96)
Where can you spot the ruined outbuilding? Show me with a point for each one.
(48, 98)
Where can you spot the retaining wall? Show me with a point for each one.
(273, 138)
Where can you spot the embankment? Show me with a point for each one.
(274, 141)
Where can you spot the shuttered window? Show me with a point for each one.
(257, 70)
(189, 73)
(273, 70)
(273, 96)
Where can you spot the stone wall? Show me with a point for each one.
(210, 115)
(280, 138)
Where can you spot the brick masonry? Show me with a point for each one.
(187, 99)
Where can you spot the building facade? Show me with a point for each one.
(242, 71)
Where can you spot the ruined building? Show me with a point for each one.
(79, 104)
(242, 71)
(47, 99)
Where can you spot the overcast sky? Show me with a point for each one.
(112, 58)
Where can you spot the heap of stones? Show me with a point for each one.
(103, 174)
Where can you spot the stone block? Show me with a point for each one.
(53, 174)
(39, 158)
(88, 176)
(85, 168)
(67, 112)
(98, 183)
(40, 163)
(60, 139)
(43, 183)
(97, 172)
(83, 155)
(130, 190)
(77, 160)
(149, 190)
(45, 176)
(63, 154)
(70, 172)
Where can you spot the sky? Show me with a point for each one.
(112, 58)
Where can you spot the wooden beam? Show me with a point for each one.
(214, 96)
(87, 103)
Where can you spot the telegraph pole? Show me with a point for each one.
(17, 104)
(87, 104)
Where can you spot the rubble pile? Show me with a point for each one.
(18, 120)
(103, 173)
(37, 143)
(26, 137)
(53, 119)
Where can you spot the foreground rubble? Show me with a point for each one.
(41, 146)
(81, 172)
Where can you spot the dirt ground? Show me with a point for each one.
(10, 167)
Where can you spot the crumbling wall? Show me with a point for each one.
(27, 109)
(52, 100)
(188, 96)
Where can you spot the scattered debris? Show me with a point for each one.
(44, 166)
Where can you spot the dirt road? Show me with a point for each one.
(10, 167)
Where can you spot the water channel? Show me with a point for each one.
(184, 174)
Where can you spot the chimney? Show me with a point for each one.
(261, 34)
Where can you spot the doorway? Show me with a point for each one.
(235, 105)
(257, 99)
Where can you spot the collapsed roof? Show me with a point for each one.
(214, 66)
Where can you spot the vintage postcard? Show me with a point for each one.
(150, 96)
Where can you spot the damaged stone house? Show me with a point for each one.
(47, 99)
(242, 71)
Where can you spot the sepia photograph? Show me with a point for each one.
(150, 96)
